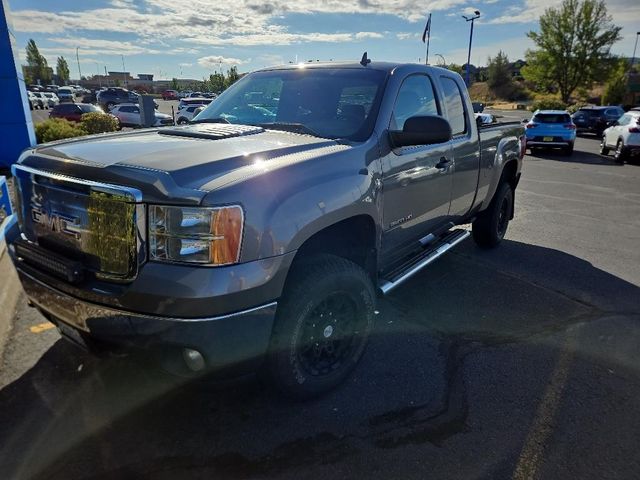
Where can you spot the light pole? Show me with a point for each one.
(470, 19)
(633, 59)
(78, 60)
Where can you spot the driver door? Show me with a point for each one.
(417, 180)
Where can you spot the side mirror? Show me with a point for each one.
(421, 130)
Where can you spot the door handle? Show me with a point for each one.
(443, 164)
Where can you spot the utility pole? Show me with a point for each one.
(124, 75)
(470, 19)
(78, 60)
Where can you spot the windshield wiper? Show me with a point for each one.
(211, 120)
(290, 127)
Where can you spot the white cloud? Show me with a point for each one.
(407, 35)
(213, 61)
(362, 35)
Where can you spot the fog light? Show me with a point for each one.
(193, 359)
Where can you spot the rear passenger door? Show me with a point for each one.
(465, 147)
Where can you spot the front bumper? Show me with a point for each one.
(235, 341)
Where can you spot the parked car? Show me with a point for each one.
(169, 95)
(194, 101)
(184, 94)
(34, 88)
(73, 111)
(129, 116)
(52, 88)
(66, 94)
(210, 95)
(43, 102)
(263, 244)
(551, 129)
(34, 101)
(187, 112)
(485, 118)
(114, 95)
(595, 119)
(623, 137)
(52, 99)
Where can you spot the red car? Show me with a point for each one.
(169, 95)
(73, 111)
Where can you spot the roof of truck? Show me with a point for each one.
(383, 66)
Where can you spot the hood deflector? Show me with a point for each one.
(212, 131)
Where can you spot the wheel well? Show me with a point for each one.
(353, 238)
(509, 174)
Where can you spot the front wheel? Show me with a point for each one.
(490, 227)
(568, 150)
(604, 150)
(322, 326)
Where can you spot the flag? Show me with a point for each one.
(427, 30)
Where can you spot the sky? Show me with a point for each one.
(193, 38)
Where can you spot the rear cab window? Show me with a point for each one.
(455, 106)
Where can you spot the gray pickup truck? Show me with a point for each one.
(259, 236)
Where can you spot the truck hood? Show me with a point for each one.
(193, 156)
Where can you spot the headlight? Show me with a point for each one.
(206, 236)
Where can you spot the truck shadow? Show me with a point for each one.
(115, 418)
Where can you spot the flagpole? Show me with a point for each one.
(428, 40)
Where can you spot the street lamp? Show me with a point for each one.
(633, 59)
(470, 19)
(444, 61)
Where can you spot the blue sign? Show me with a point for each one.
(16, 126)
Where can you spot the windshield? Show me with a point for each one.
(331, 103)
(89, 108)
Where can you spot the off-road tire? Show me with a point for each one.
(491, 225)
(314, 284)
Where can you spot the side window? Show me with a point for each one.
(624, 120)
(455, 106)
(416, 97)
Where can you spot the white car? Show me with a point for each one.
(187, 112)
(623, 137)
(129, 116)
(52, 99)
(66, 94)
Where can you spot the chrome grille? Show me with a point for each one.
(101, 225)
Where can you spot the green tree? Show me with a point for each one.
(216, 82)
(498, 71)
(456, 68)
(62, 70)
(39, 69)
(616, 87)
(573, 45)
(232, 77)
(174, 84)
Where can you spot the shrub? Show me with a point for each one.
(96, 122)
(57, 129)
(547, 102)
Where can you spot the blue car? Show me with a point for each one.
(551, 129)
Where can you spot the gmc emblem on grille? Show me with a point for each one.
(57, 222)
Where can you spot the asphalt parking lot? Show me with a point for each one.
(519, 362)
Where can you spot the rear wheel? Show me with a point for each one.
(620, 153)
(604, 150)
(322, 326)
(568, 150)
(490, 227)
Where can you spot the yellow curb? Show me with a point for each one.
(41, 327)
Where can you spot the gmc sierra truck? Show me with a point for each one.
(259, 236)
